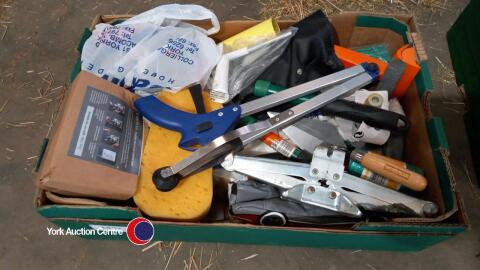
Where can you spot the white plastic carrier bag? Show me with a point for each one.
(154, 50)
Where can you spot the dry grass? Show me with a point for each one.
(249, 257)
(472, 186)
(4, 105)
(298, 9)
(446, 77)
(197, 261)
(198, 257)
(22, 124)
(5, 5)
(445, 74)
(173, 253)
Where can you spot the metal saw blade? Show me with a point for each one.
(309, 133)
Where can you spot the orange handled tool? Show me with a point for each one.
(392, 169)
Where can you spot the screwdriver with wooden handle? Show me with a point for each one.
(392, 169)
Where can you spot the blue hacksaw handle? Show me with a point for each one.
(196, 129)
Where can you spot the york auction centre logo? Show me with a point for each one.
(140, 231)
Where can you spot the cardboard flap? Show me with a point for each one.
(386, 22)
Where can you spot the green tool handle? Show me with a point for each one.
(264, 88)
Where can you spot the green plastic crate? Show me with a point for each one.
(464, 45)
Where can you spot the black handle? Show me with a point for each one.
(372, 116)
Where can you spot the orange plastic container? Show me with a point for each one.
(406, 53)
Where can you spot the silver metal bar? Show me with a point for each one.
(314, 194)
(264, 103)
(236, 162)
(297, 112)
(215, 149)
(355, 187)
(281, 181)
(225, 144)
(275, 172)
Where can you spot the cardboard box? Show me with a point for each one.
(97, 143)
(426, 147)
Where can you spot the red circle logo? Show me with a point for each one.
(140, 231)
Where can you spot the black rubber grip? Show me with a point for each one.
(372, 116)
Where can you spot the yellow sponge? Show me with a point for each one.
(191, 199)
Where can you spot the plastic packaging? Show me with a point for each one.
(175, 14)
(238, 69)
(253, 35)
(154, 50)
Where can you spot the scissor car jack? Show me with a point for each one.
(324, 184)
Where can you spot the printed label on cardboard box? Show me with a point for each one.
(108, 132)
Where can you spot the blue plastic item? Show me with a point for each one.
(196, 129)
